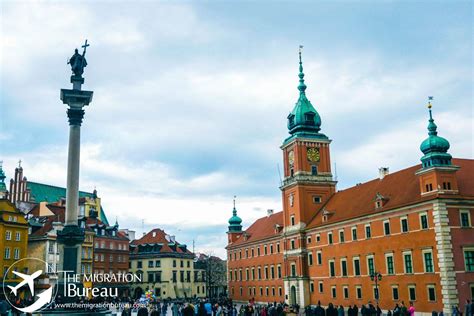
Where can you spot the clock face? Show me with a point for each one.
(291, 157)
(313, 154)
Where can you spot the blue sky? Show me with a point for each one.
(190, 98)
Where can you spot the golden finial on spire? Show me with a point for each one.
(430, 98)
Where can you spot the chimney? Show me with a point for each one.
(154, 234)
(269, 212)
(383, 171)
(172, 239)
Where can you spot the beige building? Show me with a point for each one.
(166, 267)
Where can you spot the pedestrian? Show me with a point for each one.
(340, 311)
(403, 310)
(411, 309)
(468, 308)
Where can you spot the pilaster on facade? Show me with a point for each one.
(444, 248)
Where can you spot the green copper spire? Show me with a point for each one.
(434, 148)
(304, 120)
(235, 222)
(3, 187)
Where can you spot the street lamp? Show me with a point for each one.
(376, 276)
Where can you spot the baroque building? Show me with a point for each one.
(166, 267)
(412, 227)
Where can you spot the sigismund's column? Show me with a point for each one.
(72, 235)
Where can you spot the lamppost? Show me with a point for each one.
(376, 276)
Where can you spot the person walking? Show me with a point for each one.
(340, 311)
(468, 308)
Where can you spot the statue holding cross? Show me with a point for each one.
(78, 61)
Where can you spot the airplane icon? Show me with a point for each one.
(27, 279)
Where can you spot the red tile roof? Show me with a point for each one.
(158, 236)
(399, 188)
(262, 228)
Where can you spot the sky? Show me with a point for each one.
(191, 98)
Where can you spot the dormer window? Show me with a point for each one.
(380, 200)
(309, 117)
(291, 120)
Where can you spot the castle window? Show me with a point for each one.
(314, 170)
(431, 293)
(292, 243)
(358, 292)
(424, 221)
(354, 233)
(316, 199)
(368, 232)
(386, 228)
(343, 267)
(446, 185)
(320, 257)
(341, 236)
(293, 270)
(318, 238)
(408, 262)
(311, 287)
(465, 218)
(333, 292)
(332, 268)
(320, 286)
(412, 293)
(429, 187)
(330, 238)
(404, 224)
(292, 220)
(292, 172)
(308, 240)
(310, 258)
(346, 292)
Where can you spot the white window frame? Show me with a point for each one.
(354, 266)
(410, 287)
(332, 238)
(421, 222)
(468, 217)
(17, 236)
(320, 287)
(367, 262)
(352, 233)
(343, 236)
(345, 289)
(16, 253)
(319, 262)
(333, 291)
(428, 287)
(310, 255)
(389, 228)
(358, 288)
(464, 249)
(329, 266)
(347, 268)
(365, 231)
(8, 235)
(401, 225)
(404, 263)
(292, 220)
(308, 239)
(424, 259)
(390, 254)
(398, 292)
(318, 237)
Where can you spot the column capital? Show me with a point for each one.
(71, 235)
(75, 116)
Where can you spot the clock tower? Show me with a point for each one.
(308, 181)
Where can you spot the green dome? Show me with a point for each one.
(434, 144)
(304, 120)
(235, 222)
(434, 148)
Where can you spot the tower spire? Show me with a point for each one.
(434, 148)
(235, 222)
(301, 86)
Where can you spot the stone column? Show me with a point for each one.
(444, 248)
(72, 235)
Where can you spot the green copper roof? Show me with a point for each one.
(3, 187)
(434, 148)
(49, 193)
(304, 120)
(235, 222)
